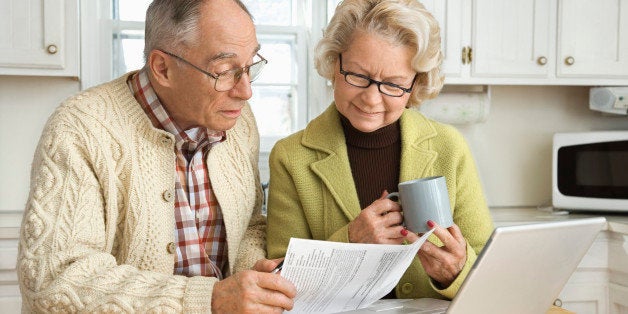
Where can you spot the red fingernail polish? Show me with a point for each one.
(430, 223)
(404, 232)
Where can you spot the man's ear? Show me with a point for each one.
(159, 65)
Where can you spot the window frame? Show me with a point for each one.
(313, 92)
(299, 116)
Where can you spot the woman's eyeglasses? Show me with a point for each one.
(363, 81)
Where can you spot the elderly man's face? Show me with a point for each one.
(227, 41)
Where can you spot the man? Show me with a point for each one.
(145, 190)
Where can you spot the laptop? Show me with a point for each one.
(522, 269)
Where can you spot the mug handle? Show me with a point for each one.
(393, 194)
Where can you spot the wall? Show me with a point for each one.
(25, 105)
(512, 148)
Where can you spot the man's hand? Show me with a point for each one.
(254, 291)
(267, 265)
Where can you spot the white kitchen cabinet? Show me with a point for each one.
(618, 269)
(618, 299)
(39, 37)
(451, 18)
(10, 299)
(599, 285)
(593, 38)
(535, 42)
(588, 296)
(585, 299)
(510, 38)
(587, 288)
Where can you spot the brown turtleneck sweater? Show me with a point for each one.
(374, 159)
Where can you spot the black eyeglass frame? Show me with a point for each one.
(237, 75)
(372, 81)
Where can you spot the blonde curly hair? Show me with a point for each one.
(404, 22)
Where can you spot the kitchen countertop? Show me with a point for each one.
(508, 216)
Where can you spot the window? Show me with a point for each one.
(287, 31)
(127, 35)
(279, 99)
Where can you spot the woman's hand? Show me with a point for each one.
(443, 264)
(379, 223)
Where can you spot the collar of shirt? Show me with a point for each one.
(187, 141)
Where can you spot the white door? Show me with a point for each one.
(450, 16)
(34, 38)
(592, 38)
(511, 38)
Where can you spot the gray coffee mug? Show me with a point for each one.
(422, 200)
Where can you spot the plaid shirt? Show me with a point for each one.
(200, 231)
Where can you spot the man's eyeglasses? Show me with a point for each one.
(228, 79)
(363, 81)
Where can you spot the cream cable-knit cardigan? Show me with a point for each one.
(100, 215)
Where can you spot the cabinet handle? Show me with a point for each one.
(52, 49)
(570, 60)
(558, 302)
(541, 60)
(467, 55)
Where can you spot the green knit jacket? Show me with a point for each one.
(312, 194)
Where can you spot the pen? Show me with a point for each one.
(278, 268)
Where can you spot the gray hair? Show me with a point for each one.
(174, 23)
(404, 22)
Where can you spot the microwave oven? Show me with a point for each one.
(590, 171)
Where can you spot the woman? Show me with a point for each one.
(329, 181)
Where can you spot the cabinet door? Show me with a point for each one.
(511, 38)
(593, 38)
(39, 37)
(585, 298)
(450, 16)
(618, 299)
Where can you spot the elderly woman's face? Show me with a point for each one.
(374, 57)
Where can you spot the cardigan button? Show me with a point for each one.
(407, 288)
(165, 140)
(171, 248)
(168, 196)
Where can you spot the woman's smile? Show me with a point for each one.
(367, 112)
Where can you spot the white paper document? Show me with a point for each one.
(334, 277)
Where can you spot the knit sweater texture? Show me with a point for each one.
(312, 194)
(98, 229)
